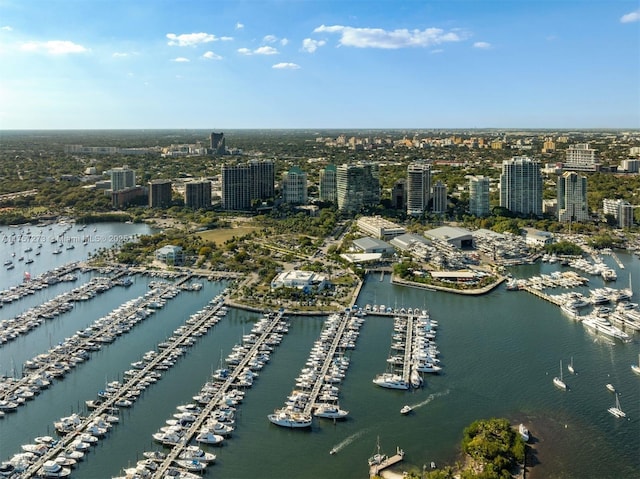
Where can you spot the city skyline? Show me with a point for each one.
(321, 64)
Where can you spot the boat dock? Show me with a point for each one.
(408, 351)
(547, 297)
(135, 382)
(204, 415)
(376, 469)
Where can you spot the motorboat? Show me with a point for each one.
(391, 381)
(285, 418)
(207, 437)
(406, 409)
(524, 432)
(191, 465)
(330, 411)
(157, 456)
(611, 387)
(53, 469)
(195, 453)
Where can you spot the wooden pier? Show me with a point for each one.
(376, 469)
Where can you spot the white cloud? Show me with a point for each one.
(401, 38)
(284, 42)
(53, 47)
(286, 66)
(270, 39)
(226, 39)
(181, 60)
(309, 45)
(630, 17)
(190, 39)
(211, 56)
(239, 26)
(265, 51)
(482, 45)
(6, 28)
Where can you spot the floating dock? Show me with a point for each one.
(376, 469)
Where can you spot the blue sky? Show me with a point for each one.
(319, 64)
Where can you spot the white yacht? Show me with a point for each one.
(194, 452)
(330, 411)
(285, 418)
(391, 381)
(53, 469)
(207, 437)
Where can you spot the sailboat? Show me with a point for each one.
(557, 381)
(636, 367)
(616, 410)
(378, 457)
(570, 367)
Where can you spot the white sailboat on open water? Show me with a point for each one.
(557, 381)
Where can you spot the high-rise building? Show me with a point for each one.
(580, 157)
(122, 178)
(244, 183)
(399, 194)
(328, 190)
(197, 194)
(621, 210)
(218, 143)
(439, 198)
(294, 186)
(479, 196)
(159, 193)
(262, 174)
(418, 188)
(236, 181)
(357, 186)
(521, 186)
(572, 197)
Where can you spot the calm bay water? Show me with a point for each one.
(500, 352)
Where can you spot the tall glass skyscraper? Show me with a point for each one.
(521, 186)
(357, 186)
(418, 188)
(479, 196)
(572, 197)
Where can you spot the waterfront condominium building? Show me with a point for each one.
(294, 186)
(357, 186)
(244, 183)
(328, 190)
(122, 178)
(521, 186)
(621, 210)
(418, 188)
(439, 196)
(159, 193)
(580, 157)
(479, 196)
(197, 194)
(572, 197)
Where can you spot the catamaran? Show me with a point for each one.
(616, 410)
(557, 381)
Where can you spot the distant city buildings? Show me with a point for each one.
(399, 194)
(217, 143)
(418, 188)
(581, 157)
(521, 186)
(439, 204)
(159, 193)
(621, 210)
(479, 196)
(294, 186)
(197, 194)
(328, 186)
(629, 166)
(245, 183)
(357, 186)
(572, 198)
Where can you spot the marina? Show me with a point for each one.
(493, 338)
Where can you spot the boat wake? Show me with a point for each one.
(430, 398)
(342, 444)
